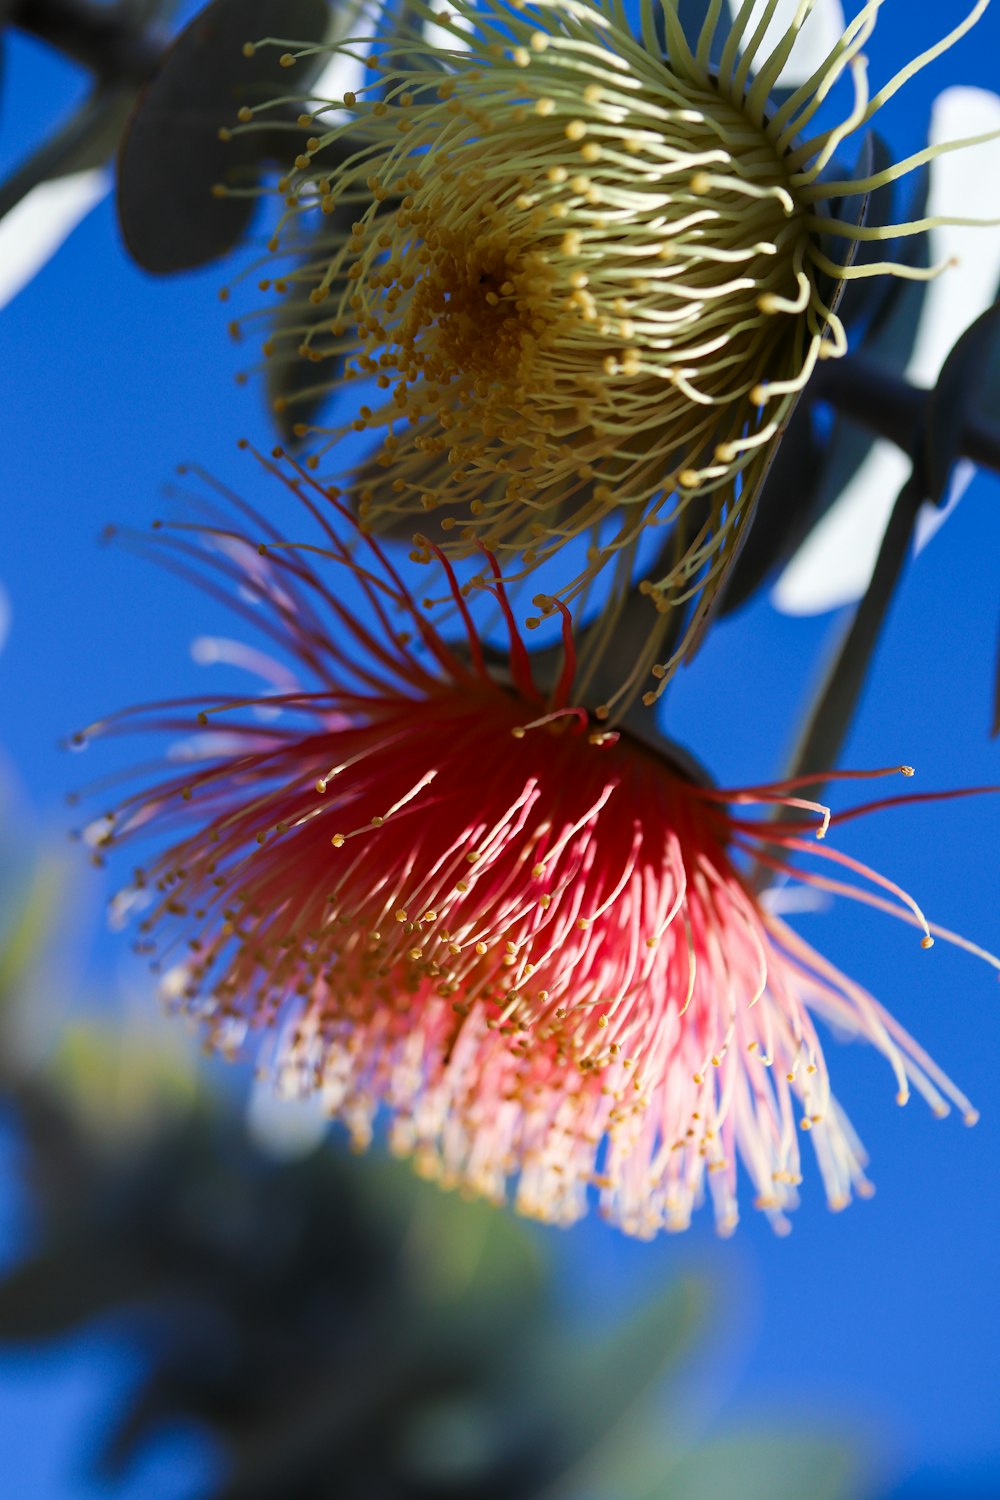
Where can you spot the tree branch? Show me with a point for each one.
(108, 40)
(888, 405)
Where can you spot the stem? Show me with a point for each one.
(104, 39)
(830, 719)
(888, 405)
(98, 120)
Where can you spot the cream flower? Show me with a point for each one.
(588, 274)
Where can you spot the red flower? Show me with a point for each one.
(436, 888)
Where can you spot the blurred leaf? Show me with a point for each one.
(88, 139)
(869, 303)
(763, 1466)
(986, 399)
(296, 386)
(785, 511)
(399, 20)
(892, 336)
(596, 1386)
(340, 1327)
(887, 340)
(465, 1253)
(850, 210)
(36, 228)
(122, 1081)
(853, 210)
(952, 399)
(25, 932)
(61, 1289)
(172, 156)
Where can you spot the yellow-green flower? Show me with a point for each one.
(585, 272)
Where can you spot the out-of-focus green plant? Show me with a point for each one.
(24, 925)
(344, 1331)
(339, 1328)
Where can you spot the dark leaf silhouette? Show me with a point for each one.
(953, 399)
(171, 156)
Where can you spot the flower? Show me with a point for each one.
(588, 276)
(431, 886)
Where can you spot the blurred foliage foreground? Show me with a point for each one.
(338, 1328)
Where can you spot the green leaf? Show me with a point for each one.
(763, 1466)
(296, 387)
(806, 507)
(64, 1287)
(171, 156)
(888, 341)
(88, 139)
(850, 210)
(953, 398)
(987, 398)
(871, 301)
(24, 935)
(593, 1386)
(786, 509)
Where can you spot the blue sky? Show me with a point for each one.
(882, 1322)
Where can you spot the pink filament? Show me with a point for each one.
(523, 938)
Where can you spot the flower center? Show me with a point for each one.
(478, 317)
(594, 303)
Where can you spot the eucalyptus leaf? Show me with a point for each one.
(340, 1328)
(786, 510)
(867, 302)
(808, 475)
(171, 156)
(987, 398)
(892, 329)
(398, 20)
(888, 340)
(953, 398)
(25, 932)
(594, 1388)
(892, 336)
(61, 1289)
(297, 388)
(764, 1466)
(854, 210)
(844, 450)
(88, 139)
